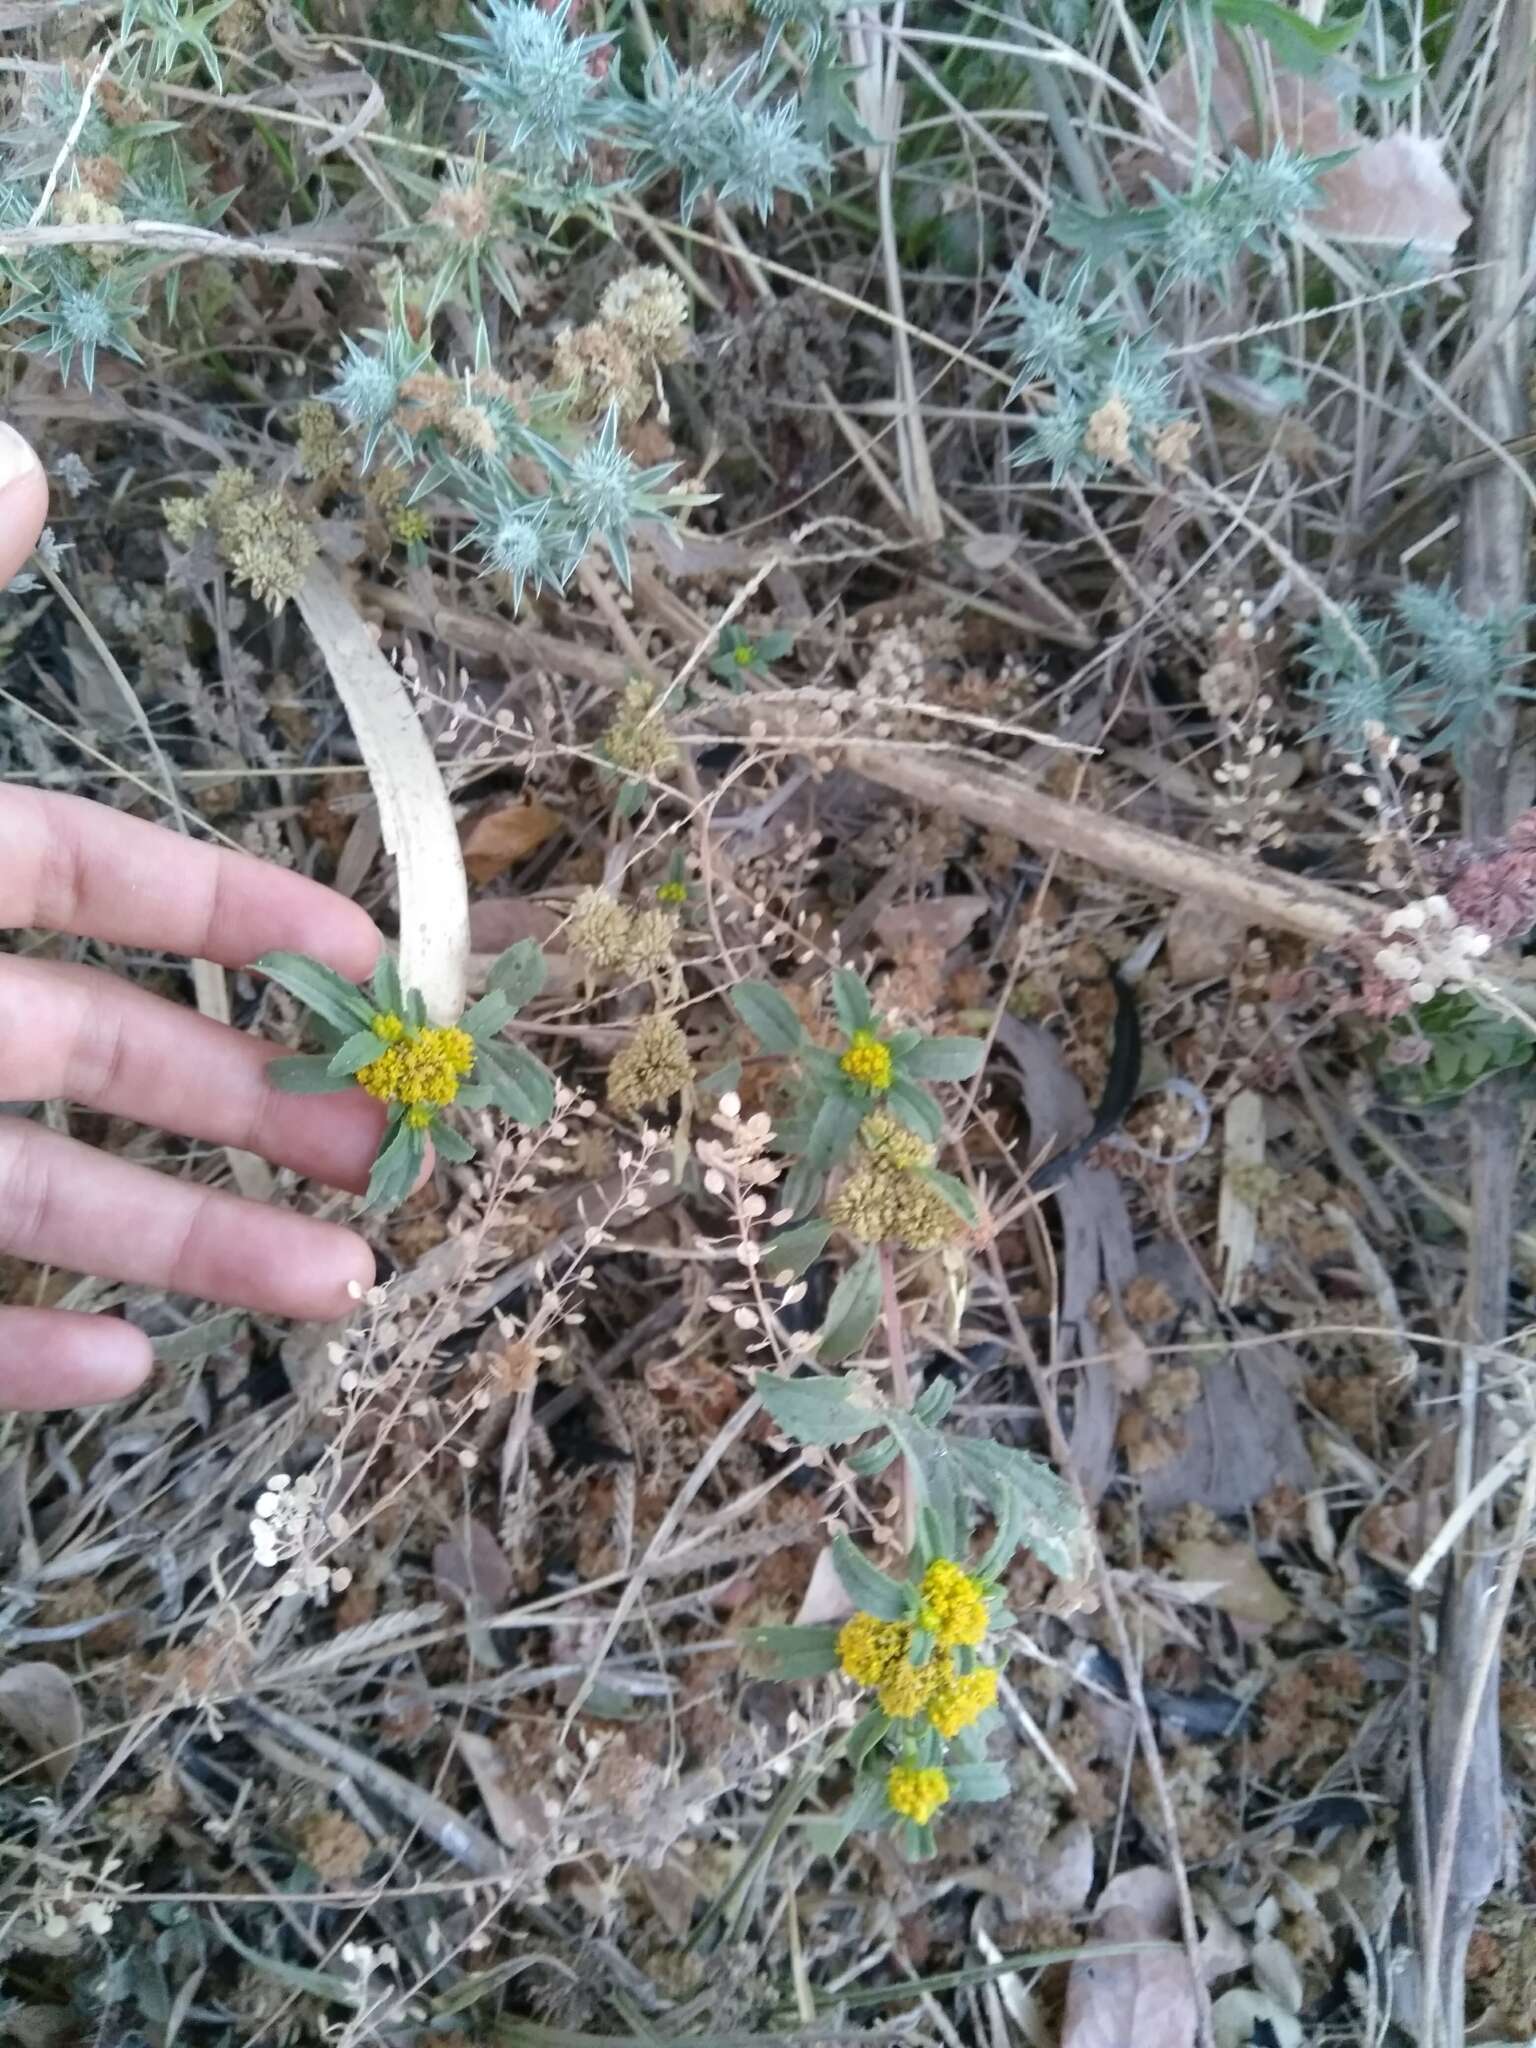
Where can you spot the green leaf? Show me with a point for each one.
(355, 1052)
(630, 797)
(866, 1585)
(850, 999)
(485, 1018)
(387, 995)
(722, 1080)
(918, 1111)
(767, 1016)
(451, 1144)
(319, 989)
(396, 1169)
(834, 1130)
(873, 1458)
(976, 1784)
(866, 1734)
(1300, 45)
(902, 1042)
(1049, 1519)
(522, 1087)
(943, 1059)
(305, 1073)
(864, 1810)
(793, 1250)
(853, 1308)
(955, 1192)
(821, 1412)
(519, 973)
(797, 1652)
(802, 1186)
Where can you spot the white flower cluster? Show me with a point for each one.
(287, 1527)
(1430, 949)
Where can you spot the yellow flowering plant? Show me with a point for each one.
(838, 1089)
(381, 1040)
(924, 1646)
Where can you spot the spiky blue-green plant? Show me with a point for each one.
(1464, 666)
(535, 83)
(604, 493)
(719, 141)
(1052, 340)
(1352, 679)
(367, 391)
(160, 36)
(811, 18)
(79, 320)
(527, 540)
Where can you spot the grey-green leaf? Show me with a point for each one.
(792, 1251)
(919, 1112)
(519, 973)
(523, 1087)
(485, 1018)
(822, 1412)
(355, 1052)
(943, 1059)
(396, 1168)
(852, 1310)
(850, 999)
(797, 1652)
(866, 1585)
(305, 1073)
(387, 993)
(767, 1016)
(955, 1192)
(836, 1127)
(451, 1144)
(319, 989)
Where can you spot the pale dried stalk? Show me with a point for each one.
(415, 815)
(988, 793)
(1463, 1844)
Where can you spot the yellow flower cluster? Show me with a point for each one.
(868, 1060)
(867, 1648)
(960, 1698)
(421, 1069)
(874, 1653)
(885, 1200)
(916, 1794)
(954, 1609)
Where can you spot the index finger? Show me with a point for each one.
(69, 865)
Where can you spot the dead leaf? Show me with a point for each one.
(39, 1704)
(1240, 1439)
(826, 1597)
(1243, 1588)
(499, 839)
(1202, 944)
(1113, 2001)
(471, 1568)
(941, 921)
(1392, 192)
(1063, 1871)
(1126, 1349)
(516, 1815)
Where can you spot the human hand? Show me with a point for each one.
(71, 1032)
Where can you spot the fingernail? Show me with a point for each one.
(17, 457)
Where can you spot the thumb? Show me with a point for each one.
(23, 501)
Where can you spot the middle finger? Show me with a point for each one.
(75, 1033)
